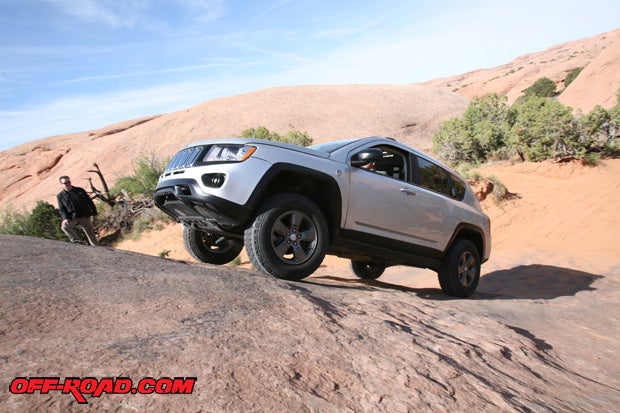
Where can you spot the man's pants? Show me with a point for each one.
(87, 225)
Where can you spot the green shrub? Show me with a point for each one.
(544, 128)
(571, 76)
(43, 222)
(600, 130)
(482, 130)
(591, 159)
(14, 223)
(535, 128)
(500, 192)
(147, 170)
(464, 169)
(543, 87)
(292, 137)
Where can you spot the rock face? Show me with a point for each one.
(256, 343)
(597, 84)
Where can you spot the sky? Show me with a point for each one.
(74, 65)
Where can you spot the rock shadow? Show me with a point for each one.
(528, 282)
(534, 282)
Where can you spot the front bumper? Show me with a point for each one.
(184, 200)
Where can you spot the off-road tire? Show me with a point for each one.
(211, 248)
(367, 270)
(460, 273)
(288, 237)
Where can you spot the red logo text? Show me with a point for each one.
(80, 387)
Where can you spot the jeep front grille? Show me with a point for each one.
(185, 158)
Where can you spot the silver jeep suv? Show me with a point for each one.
(374, 201)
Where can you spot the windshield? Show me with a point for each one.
(331, 146)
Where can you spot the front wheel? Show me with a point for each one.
(288, 237)
(210, 248)
(367, 270)
(460, 272)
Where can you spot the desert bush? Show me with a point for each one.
(482, 130)
(147, 169)
(591, 159)
(534, 128)
(600, 130)
(500, 192)
(14, 222)
(133, 210)
(543, 87)
(292, 137)
(43, 222)
(572, 75)
(297, 138)
(544, 128)
(596, 129)
(130, 216)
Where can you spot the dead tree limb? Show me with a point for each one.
(105, 195)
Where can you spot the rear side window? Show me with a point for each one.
(433, 177)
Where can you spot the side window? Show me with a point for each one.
(392, 164)
(433, 177)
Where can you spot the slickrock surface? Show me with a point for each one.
(255, 343)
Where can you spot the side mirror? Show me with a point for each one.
(366, 156)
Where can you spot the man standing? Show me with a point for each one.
(76, 207)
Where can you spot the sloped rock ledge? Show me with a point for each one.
(257, 344)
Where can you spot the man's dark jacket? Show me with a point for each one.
(75, 204)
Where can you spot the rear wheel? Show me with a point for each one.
(367, 270)
(460, 272)
(288, 237)
(211, 248)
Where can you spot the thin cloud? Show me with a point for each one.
(348, 31)
(145, 73)
(207, 10)
(271, 9)
(86, 112)
(111, 13)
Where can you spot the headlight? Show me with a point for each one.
(229, 153)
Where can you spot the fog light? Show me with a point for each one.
(213, 180)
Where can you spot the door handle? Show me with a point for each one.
(407, 191)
